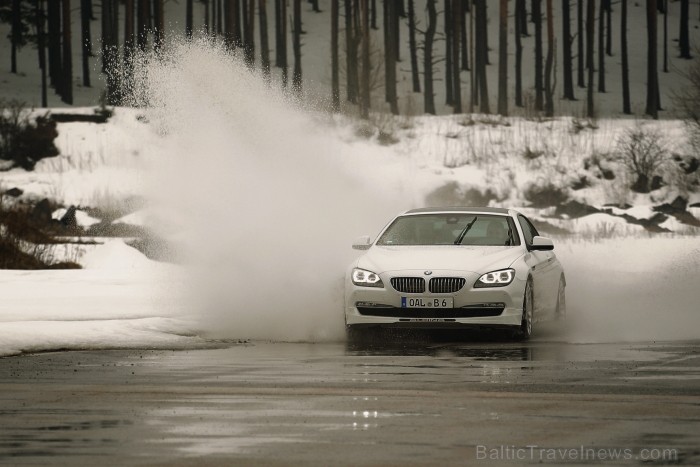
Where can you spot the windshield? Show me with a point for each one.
(451, 229)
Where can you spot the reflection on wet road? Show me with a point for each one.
(427, 402)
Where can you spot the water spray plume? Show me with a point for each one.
(270, 202)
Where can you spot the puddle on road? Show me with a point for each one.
(515, 352)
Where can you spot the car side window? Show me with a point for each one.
(528, 230)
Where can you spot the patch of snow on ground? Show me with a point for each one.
(96, 308)
(135, 218)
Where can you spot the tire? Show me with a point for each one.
(525, 330)
(560, 311)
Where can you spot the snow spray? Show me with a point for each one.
(271, 202)
(631, 289)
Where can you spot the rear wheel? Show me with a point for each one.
(525, 330)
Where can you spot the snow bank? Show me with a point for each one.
(114, 254)
(123, 301)
(144, 333)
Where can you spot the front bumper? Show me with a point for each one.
(494, 306)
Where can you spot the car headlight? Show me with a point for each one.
(499, 278)
(366, 278)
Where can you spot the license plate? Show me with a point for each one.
(427, 302)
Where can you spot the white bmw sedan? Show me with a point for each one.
(445, 268)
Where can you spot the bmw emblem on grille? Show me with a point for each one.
(427, 273)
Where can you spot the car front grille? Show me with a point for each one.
(446, 284)
(464, 312)
(408, 284)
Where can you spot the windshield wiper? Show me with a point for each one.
(464, 232)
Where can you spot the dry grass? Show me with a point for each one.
(26, 243)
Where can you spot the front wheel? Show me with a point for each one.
(525, 330)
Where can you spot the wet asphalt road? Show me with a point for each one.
(425, 403)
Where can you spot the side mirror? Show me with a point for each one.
(362, 243)
(541, 243)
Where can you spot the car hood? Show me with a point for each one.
(478, 259)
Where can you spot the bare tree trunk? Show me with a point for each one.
(282, 29)
(15, 34)
(474, 72)
(601, 48)
(481, 46)
(684, 39)
(232, 24)
(522, 13)
(296, 77)
(206, 16)
(248, 18)
(159, 28)
(457, 18)
(335, 68)
(665, 3)
(428, 95)
(85, 40)
(537, 19)
(279, 20)
(608, 27)
(366, 65)
(567, 39)
(463, 36)
(548, 85)
(400, 11)
(449, 85)
(41, 45)
(351, 68)
(54, 44)
(212, 8)
(110, 46)
(652, 107)
(128, 27)
(128, 42)
(590, 31)
(415, 73)
(220, 16)
(264, 44)
(390, 55)
(373, 14)
(503, 58)
(67, 88)
(188, 18)
(485, 31)
(580, 39)
(143, 20)
(518, 53)
(245, 32)
(626, 106)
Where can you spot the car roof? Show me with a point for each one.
(478, 210)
